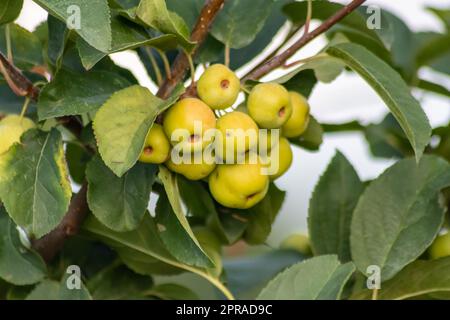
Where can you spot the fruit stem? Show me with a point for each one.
(227, 55)
(166, 63)
(155, 66)
(25, 107)
(243, 88)
(9, 53)
(308, 18)
(191, 67)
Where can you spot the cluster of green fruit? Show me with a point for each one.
(11, 129)
(232, 184)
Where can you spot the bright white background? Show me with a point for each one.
(345, 99)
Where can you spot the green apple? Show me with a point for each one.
(239, 186)
(236, 134)
(440, 247)
(280, 158)
(297, 242)
(268, 138)
(298, 122)
(156, 147)
(269, 105)
(218, 87)
(186, 123)
(192, 170)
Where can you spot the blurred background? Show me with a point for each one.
(348, 98)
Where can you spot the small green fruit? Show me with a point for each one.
(440, 247)
(192, 170)
(192, 115)
(269, 105)
(281, 157)
(156, 147)
(237, 134)
(297, 242)
(239, 186)
(298, 122)
(218, 87)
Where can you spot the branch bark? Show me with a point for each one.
(280, 59)
(198, 35)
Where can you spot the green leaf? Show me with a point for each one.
(122, 123)
(240, 21)
(10, 10)
(399, 215)
(248, 275)
(262, 216)
(172, 291)
(331, 208)
(34, 183)
(53, 290)
(419, 278)
(117, 282)
(58, 35)
(443, 14)
(94, 18)
(72, 93)
(155, 14)
(26, 47)
(18, 265)
(312, 138)
(119, 203)
(302, 82)
(125, 35)
(174, 228)
(391, 88)
(77, 158)
(319, 278)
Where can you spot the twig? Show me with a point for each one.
(49, 245)
(280, 59)
(199, 34)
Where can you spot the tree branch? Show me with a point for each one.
(280, 59)
(198, 35)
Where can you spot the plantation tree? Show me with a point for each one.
(83, 147)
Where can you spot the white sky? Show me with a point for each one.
(346, 99)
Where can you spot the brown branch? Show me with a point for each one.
(198, 35)
(280, 59)
(49, 245)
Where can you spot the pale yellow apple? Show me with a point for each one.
(298, 122)
(269, 105)
(192, 170)
(280, 157)
(218, 87)
(440, 247)
(156, 147)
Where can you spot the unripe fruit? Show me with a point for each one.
(218, 87)
(192, 170)
(186, 114)
(440, 247)
(298, 122)
(297, 242)
(282, 160)
(268, 104)
(11, 129)
(237, 133)
(239, 186)
(156, 147)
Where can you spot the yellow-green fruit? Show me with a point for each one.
(156, 147)
(298, 242)
(298, 122)
(16, 120)
(186, 123)
(268, 104)
(218, 87)
(266, 141)
(237, 133)
(280, 158)
(192, 170)
(440, 247)
(239, 186)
